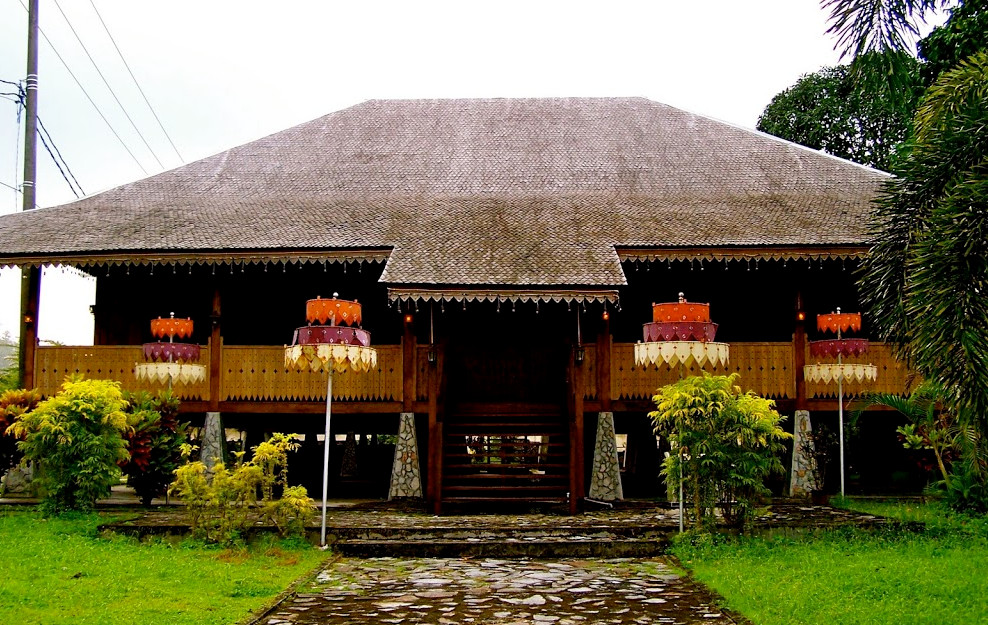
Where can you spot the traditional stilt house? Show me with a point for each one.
(506, 253)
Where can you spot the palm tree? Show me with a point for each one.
(925, 279)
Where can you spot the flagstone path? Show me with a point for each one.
(441, 591)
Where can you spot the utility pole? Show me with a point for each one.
(30, 276)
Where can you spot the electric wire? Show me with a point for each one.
(137, 84)
(88, 97)
(12, 188)
(107, 83)
(57, 164)
(61, 158)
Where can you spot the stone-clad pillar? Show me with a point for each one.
(213, 441)
(801, 479)
(605, 481)
(406, 475)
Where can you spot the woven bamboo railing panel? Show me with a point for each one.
(894, 376)
(629, 381)
(258, 372)
(107, 362)
(765, 368)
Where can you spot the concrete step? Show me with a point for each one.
(570, 547)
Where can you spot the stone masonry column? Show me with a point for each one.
(605, 480)
(406, 476)
(801, 480)
(213, 441)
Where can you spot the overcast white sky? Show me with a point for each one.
(221, 73)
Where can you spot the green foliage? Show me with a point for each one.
(291, 512)
(62, 571)
(832, 110)
(926, 276)
(155, 443)
(13, 403)
(725, 443)
(218, 504)
(76, 440)
(963, 34)
(934, 429)
(9, 379)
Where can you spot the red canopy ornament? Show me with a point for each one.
(171, 362)
(838, 347)
(680, 332)
(838, 323)
(332, 348)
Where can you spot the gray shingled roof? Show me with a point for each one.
(493, 192)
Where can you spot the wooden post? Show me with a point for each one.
(31, 276)
(576, 391)
(604, 341)
(215, 352)
(435, 466)
(408, 364)
(30, 296)
(799, 354)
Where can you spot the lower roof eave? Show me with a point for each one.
(196, 257)
(743, 252)
(505, 293)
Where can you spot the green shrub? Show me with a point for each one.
(291, 512)
(725, 443)
(218, 504)
(154, 443)
(76, 440)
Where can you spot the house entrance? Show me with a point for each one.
(505, 434)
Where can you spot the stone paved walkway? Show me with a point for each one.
(498, 592)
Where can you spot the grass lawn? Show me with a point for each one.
(58, 571)
(844, 577)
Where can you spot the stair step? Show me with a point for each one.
(540, 548)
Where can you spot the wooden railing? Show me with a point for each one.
(765, 368)
(258, 373)
(252, 372)
(113, 362)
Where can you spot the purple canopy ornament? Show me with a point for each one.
(337, 347)
(171, 362)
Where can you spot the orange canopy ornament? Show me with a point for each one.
(680, 332)
(171, 362)
(334, 349)
(839, 322)
(171, 327)
(335, 311)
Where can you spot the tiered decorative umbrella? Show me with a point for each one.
(680, 332)
(171, 362)
(335, 344)
(838, 323)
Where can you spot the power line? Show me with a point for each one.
(134, 78)
(57, 164)
(12, 188)
(60, 157)
(47, 141)
(88, 97)
(107, 83)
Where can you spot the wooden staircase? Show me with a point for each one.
(521, 458)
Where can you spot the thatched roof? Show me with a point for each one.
(472, 192)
